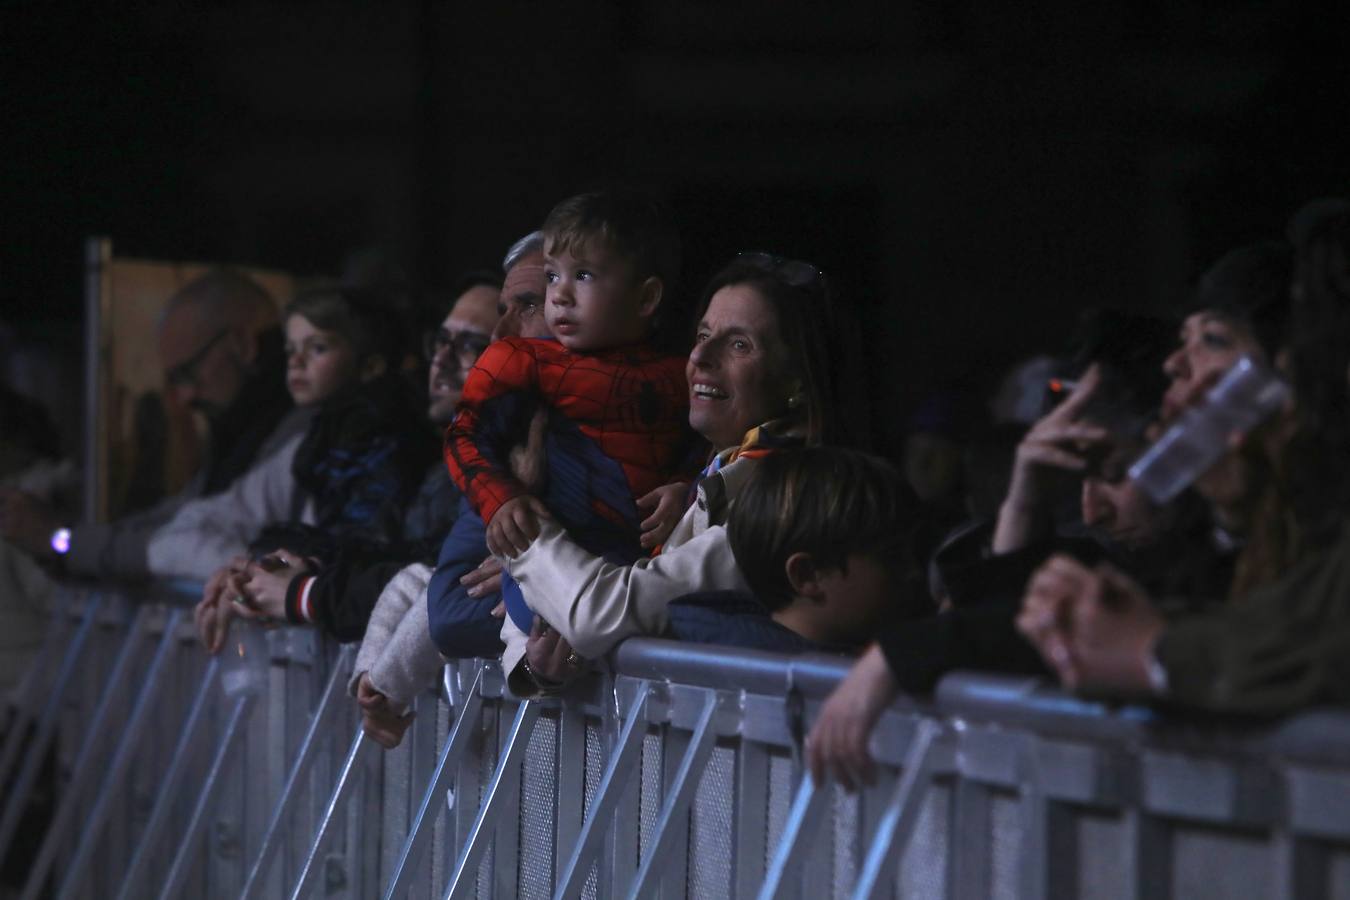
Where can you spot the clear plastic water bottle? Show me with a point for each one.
(1245, 396)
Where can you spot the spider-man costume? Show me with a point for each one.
(618, 427)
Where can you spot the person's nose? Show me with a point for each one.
(704, 355)
(560, 293)
(1177, 366)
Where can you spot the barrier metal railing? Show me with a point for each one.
(678, 774)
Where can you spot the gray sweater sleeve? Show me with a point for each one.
(397, 651)
(118, 549)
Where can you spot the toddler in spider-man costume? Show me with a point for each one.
(616, 405)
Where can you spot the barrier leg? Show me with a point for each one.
(607, 795)
(189, 845)
(275, 832)
(466, 721)
(681, 792)
(803, 820)
(113, 779)
(46, 728)
(159, 815)
(504, 781)
(27, 708)
(900, 817)
(84, 769)
(360, 749)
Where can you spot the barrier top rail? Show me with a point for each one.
(1316, 736)
(1033, 704)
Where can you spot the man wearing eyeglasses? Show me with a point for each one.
(453, 347)
(337, 596)
(220, 346)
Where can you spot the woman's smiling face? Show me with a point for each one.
(738, 370)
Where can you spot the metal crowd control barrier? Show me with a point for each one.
(678, 774)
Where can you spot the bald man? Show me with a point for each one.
(221, 349)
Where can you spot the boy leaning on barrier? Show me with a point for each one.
(824, 538)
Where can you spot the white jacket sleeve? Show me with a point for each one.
(595, 604)
(208, 532)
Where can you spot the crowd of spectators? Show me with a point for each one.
(614, 462)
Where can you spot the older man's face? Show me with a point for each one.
(203, 359)
(462, 336)
(523, 300)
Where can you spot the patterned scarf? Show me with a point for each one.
(775, 434)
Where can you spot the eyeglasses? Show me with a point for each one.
(465, 344)
(185, 373)
(793, 271)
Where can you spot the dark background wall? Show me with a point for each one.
(973, 173)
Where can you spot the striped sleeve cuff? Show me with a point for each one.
(299, 605)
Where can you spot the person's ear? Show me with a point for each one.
(796, 394)
(803, 576)
(372, 367)
(650, 296)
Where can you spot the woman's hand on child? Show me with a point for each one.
(550, 657)
(484, 580)
(667, 506)
(515, 525)
(837, 745)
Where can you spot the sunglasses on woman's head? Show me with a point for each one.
(793, 271)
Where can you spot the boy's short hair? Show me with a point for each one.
(631, 223)
(362, 316)
(829, 502)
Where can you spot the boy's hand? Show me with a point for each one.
(267, 581)
(379, 720)
(667, 506)
(515, 525)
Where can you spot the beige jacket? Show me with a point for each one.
(595, 604)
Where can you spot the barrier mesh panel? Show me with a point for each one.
(1005, 845)
(1220, 864)
(1338, 876)
(923, 864)
(538, 786)
(780, 800)
(1100, 844)
(595, 770)
(710, 850)
(649, 802)
(844, 863)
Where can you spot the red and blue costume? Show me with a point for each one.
(618, 427)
